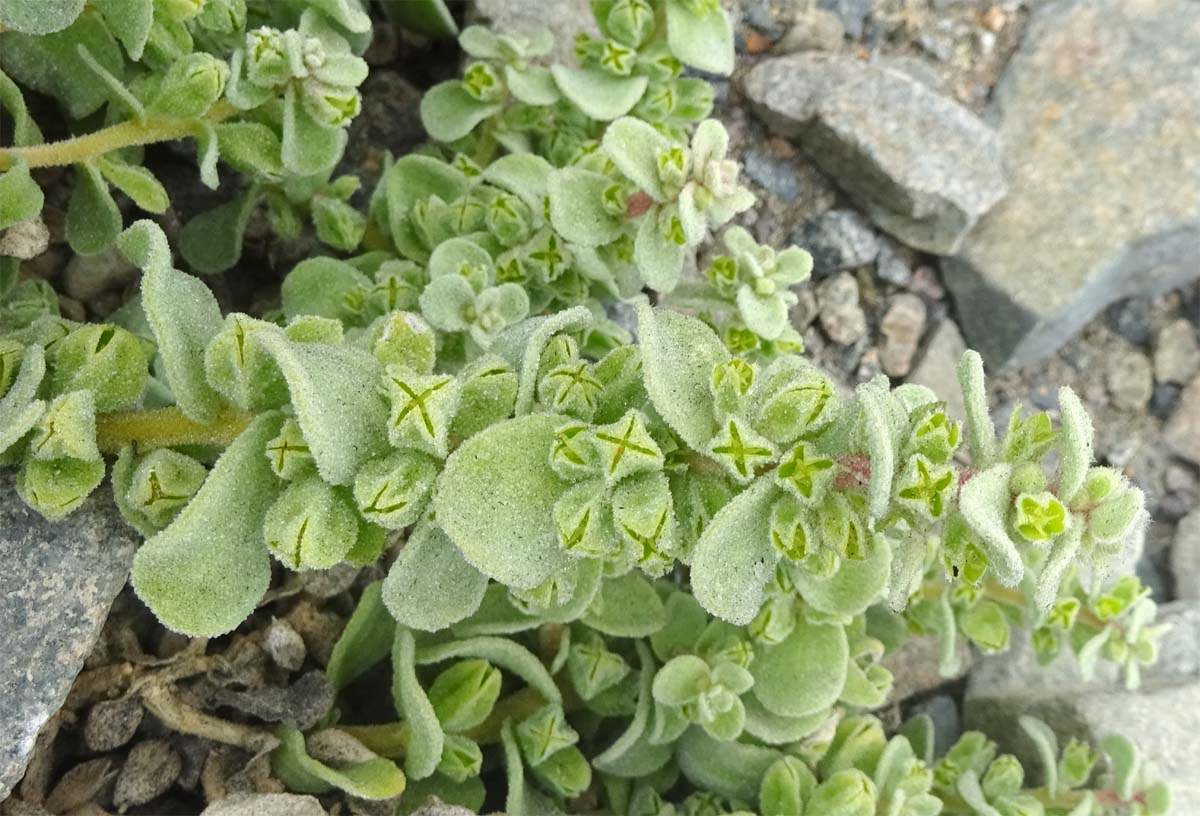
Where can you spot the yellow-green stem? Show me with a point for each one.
(164, 428)
(101, 142)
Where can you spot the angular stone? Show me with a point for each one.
(840, 314)
(1100, 120)
(564, 19)
(938, 368)
(838, 240)
(813, 30)
(1182, 432)
(1185, 556)
(1130, 379)
(56, 586)
(1176, 352)
(901, 327)
(1163, 716)
(922, 166)
(266, 804)
(914, 667)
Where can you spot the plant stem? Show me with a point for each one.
(165, 427)
(124, 134)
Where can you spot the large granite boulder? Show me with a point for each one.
(1099, 116)
(56, 586)
(922, 166)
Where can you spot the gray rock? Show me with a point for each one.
(852, 13)
(922, 166)
(1130, 379)
(838, 240)
(1185, 556)
(938, 368)
(1130, 318)
(25, 240)
(813, 30)
(564, 19)
(266, 804)
(1176, 352)
(1100, 121)
(56, 587)
(776, 176)
(839, 312)
(1182, 432)
(891, 266)
(901, 327)
(1163, 716)
(914, 666)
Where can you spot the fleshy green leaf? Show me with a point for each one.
(431, 586)
(20, 196)
(577, 207)
(732, 769)
(805, 673)
(212, 241)
(93, 220)
(856, 585)
(703, 41)
(426, 737)
(39, 16)
(984, 501)
(333, 391)
(495, 499)
(129, 20)
(206, 572)
(20, 409)
(501, 652)
(449, 112)
(678, 357)
(136, 182)
(366, 640)
(183, 314)
(734, 557)
(626, 607)
(376, 778)
(598, 93)
(981, 433)
(1075, 454)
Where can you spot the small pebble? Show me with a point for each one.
(150, 770)
(813, 30)
(112, 723)
(840, 314)
(901, 327)
(1130, 379)
(284, 645)
(1176, 352)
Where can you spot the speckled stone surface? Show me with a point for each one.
(56, 586)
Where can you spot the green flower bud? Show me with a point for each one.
(481, 81)
(583, 522)
(934, 434)
(547, 257)
(843, 527)
(791, 530)
(806, 474)
(311, 525)
(741, 450)
(730, 383)
(566, 773)
(616, 59)
(1004, 777)
(67, 430)
(332, 106)
(106, 360)
(315, 329)
(786, 786)
(461, 758)
(625, 447)
(489, 394)
(398, 285)
(1039, 517)
(267, 64)
(1111, 520)
(163, 482)
(1075, 767)
(722, 273)
(393, 490)
(847, 793)
(545, 733)
(644, 517)
(794, 403)
(464, 694)
(190, 87)
(241, 371)
(422, 407)
(55, 487)
(592, 668)
(339, 225)
(1029, 439)
(741, 340)
(1045, 643)
(509, 219)
(973, 752)
(657, 103)
(404, 339)
(774, 622)
(673, 164)
(630, 22)
(222, 16)
(926, 490)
